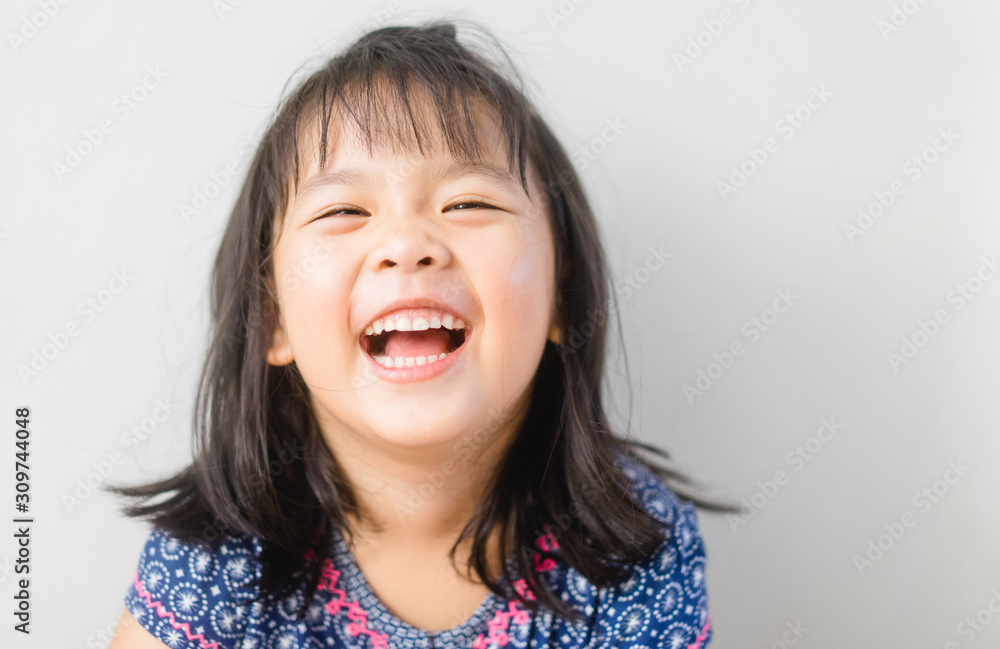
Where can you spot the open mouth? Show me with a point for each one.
(412, 348)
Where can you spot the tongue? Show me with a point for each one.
(416, 343)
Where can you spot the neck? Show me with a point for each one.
(420, 497)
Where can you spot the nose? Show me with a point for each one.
(408, 245)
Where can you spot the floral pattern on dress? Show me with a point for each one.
(190, 596)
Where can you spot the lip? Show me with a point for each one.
(417, 372)
(414, 303)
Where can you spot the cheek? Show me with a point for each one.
(526, 305)
(313, 294)
(527, 283)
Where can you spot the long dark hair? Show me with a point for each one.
(260, 463)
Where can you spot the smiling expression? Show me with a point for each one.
(378, 234)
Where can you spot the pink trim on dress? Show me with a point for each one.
(701, 636)
(163, 612)
(328, 582)
(515, 610)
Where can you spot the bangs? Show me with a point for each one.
(392, 92)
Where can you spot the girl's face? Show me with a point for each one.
(372, 234)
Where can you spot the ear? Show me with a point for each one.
(555, 328)
(555, 335)
(280, 351)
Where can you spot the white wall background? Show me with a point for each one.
(63, 238)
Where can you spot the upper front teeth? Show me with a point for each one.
(403, 323)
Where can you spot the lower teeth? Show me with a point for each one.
(409, 361)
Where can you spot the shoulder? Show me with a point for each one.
(664, 601)
(192, 594)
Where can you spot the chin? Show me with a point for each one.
(426, 425)
(417, 437)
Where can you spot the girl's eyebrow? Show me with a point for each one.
(366, 178)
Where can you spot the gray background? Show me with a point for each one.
(654, 185)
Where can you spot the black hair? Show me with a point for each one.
(260, 463)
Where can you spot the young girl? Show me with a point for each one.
(400, 433)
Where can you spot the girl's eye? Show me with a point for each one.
(351, 211)
(479, 203)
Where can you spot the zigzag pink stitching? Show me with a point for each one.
(515, 610)
(328, 581)
(701, 636)
(162, 612)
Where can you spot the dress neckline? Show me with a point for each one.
(463, 634)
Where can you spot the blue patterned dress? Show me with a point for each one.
(189, 596)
